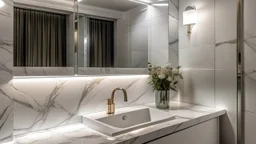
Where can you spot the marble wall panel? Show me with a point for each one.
(51, 102)
(225, 64)
(6, 65)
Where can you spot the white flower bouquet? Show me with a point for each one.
(164, 78)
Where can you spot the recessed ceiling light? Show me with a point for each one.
(79, 0)
(140, 2)
(146, 1)
(160, 4)
(1, 3)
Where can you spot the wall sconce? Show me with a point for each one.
(1, 3)
(189, 18)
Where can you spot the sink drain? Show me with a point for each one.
(124, 117)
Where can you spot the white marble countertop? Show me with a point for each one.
(187, 115)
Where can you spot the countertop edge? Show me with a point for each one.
(171, 129)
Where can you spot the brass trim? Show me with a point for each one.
(124, 91)
(189, 30)
(111, 103)
(110, 107)
(189, 27)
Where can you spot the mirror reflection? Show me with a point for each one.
(122, 33)
(43, 36)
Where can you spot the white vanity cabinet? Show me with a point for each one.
(204, 133)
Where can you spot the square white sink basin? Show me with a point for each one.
(126, 120)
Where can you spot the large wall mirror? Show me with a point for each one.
(122, 36)
(44, 37)
(106, 36)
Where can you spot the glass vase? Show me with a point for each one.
(162, 99)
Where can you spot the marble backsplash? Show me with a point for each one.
(6, 61)
(50, 102)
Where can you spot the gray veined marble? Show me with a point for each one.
(6, 115)
(6, 45)
(187, 115)
(6, 121)
(6, 64)
(174, 47)
(47, 103)
(251, 45)
(249, 53)
(251, 75)
(6, 61)
(173, 32)
(175, 3)
(7, 50)
(174, 9)
(40, 112)
(6, 10)
(2, 13)
(226, 42)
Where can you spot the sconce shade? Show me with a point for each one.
(189, 17)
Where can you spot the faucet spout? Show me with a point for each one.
(124, 92)
(111, 103)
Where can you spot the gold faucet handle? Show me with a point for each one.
(110, 101)
(110, 107)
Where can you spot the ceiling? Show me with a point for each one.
(118, 5)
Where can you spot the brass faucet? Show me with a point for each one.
(111, 103)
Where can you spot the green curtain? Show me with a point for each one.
(101, 43)
(39, 38)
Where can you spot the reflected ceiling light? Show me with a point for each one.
(1, 3)
(79, 0)
(160, 4)
(189, 18)
(144, 2)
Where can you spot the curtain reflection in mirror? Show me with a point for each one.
(101, 43)
(40, 38)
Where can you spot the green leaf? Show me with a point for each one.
(173, 89)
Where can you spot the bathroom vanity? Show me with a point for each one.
(54, 71)
(195, 135)
(188, 126)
